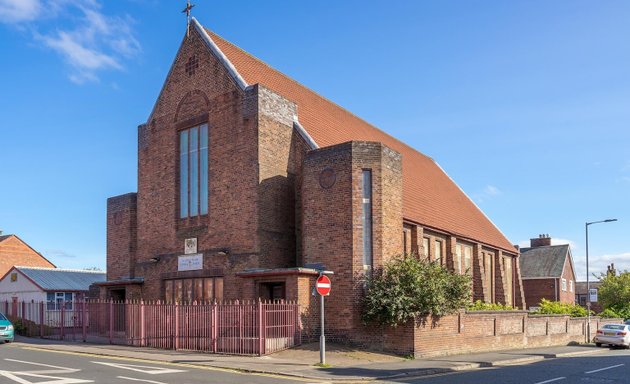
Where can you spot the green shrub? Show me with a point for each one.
(483, 306)
(407, 288)
(548, 307)
(614, 290)
(617, 311)
(608, 313)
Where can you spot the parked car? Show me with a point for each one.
(6, 329)
(613, 334)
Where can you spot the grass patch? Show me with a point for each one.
(320, 365)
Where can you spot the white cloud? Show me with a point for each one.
(598, 264)
(491, 190)
(58, 253)
(89, 40)
(488, 192)
(78, 54)
(17, 11)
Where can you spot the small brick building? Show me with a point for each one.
(14, 251)
(247, 179)
(547, 272)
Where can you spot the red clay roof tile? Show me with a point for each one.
(430, 197)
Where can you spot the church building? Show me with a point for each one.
(249, 182)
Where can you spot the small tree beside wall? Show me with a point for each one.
(407, 287)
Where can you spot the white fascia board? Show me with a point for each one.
(309, 140)
(219, 54)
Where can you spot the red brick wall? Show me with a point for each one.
(121, 236)
(254, 163)
(14, 251)
(332, 226)
(537, 289)
(567, 296)
(494, 331)
(551, 288)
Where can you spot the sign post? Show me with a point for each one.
(323, 288)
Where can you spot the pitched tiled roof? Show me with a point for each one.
(4, 237)
(430, 197)
(53, 279)
(546, 261)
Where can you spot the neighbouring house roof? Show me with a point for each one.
(430, 197)
(54, 279)
(5, 237)
(545, 261)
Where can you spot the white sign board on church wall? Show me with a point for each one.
(190, 262)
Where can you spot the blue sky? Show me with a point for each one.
(525, 104)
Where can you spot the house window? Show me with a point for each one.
(204, 289)
(367, 217)
(463, 254)
(488, 273)
(564, 284)
(425, 248)
(458, 257)
(507, 270)
(438, 252)
(570, 285)
(56, 300)
(405, 250)
(467, 258)
(193, 171)
(408, 247)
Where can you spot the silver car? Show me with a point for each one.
(613, 334)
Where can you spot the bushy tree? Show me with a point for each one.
(614, 293)
(408, 287)
(548, 307)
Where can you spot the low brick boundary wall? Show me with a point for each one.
(486, 331)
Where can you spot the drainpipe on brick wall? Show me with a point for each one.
(555, 288)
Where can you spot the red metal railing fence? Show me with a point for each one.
(239, 328)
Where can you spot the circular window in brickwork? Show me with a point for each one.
(192, 65)
(327, 178)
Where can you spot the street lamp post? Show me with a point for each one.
(588, 285)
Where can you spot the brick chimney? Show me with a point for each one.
(542, 241)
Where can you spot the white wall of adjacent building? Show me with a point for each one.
(22, 288)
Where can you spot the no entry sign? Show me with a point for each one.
(323, 285)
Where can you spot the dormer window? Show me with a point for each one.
(193, 171)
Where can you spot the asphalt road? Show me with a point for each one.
(31, 366)
(612, 366)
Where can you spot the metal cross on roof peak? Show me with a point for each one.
(187, 12)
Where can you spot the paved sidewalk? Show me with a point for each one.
(346, 364)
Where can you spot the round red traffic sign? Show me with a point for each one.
(323, 285)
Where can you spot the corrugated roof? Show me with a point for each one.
(54, 279)
(546, 261)
(430, 197)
